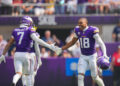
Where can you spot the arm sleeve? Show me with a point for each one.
(37, 50)
(39, 41)
(101, 43)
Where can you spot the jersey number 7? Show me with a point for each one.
(21, 37)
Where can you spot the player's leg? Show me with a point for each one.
(24, 80)
(27, 70)
(94, 72)
(24, 77)
(100, 75)
(38, 64)
(82, 66)
(28, 80)
(18, 69)
(33, 69)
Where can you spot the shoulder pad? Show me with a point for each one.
(95, 29)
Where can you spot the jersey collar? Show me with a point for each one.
(85, 28)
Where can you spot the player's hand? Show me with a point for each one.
(39, 63)
(56, 49)
(2, 58)
(106, 57)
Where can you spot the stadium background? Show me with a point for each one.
(59, 71)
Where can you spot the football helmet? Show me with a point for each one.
(27, 20)
(103, 63)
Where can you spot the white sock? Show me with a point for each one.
(33, 78)
(16, 77)
(29, 80)
(99, 81)
(24, 80)
(80, 80)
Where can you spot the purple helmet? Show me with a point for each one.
(27, 20)
(103, 63)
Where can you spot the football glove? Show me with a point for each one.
(56, 49)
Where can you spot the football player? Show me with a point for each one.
(87, 36)
(35, 61)
(23, 37)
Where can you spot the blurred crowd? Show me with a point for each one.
(49, 7)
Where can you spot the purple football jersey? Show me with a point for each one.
(22, 38)
(32, 43)
(87, 42)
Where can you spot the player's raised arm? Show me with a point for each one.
(72, 42)
(6, 49)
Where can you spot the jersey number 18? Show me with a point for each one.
(84, 43)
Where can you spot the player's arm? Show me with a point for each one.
(101, 43)
(69, 44)
(42, 43)
(8, 45)
(37, 49)
(6, 49)
(72, 42)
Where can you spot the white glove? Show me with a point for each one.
(106, 57)
(39, 63)
(2, 58)
(56, 49)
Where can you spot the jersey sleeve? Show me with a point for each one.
(32, 30)
(75, 35)
(95, 30)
